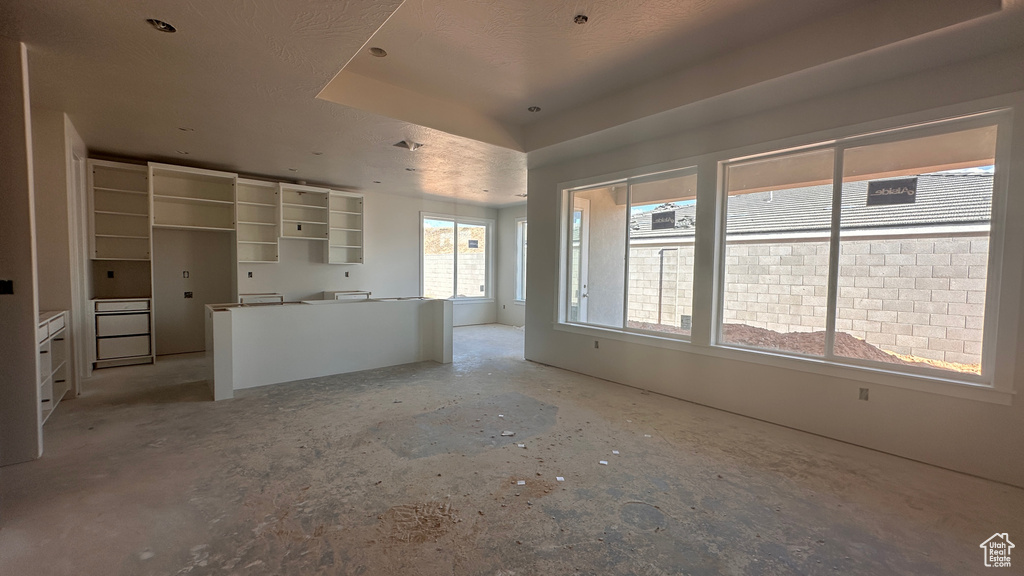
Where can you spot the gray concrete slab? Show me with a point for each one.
(404, 471)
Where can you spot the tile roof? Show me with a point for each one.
(941, 199)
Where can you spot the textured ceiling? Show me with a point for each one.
(243, 74)
(473, 67)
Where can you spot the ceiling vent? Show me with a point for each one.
(408, 145)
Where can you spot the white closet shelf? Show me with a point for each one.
(293, 205)
(121, 259)
(305, 222)
(342, 246)
(346, 212)
(189, 227)
(257, 223)
(247, 203)
(171, 198)
(121, 190)
(347, 229)
(256, 242)
(113, 213)
(122, 236)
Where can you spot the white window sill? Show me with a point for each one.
(943, 386)
(519, 302)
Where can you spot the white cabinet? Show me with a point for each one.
(192, 198)
(119, 211)
(257, 220)
(53, 362)
(345, 245)
(304, 212)
(123, 332)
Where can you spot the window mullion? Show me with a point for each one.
(455, 260)
(833, 252)
(625, 261)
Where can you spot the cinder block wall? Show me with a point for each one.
(919, 296)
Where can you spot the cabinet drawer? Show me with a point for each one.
(108, 348)
(121, 306)
(122, 324)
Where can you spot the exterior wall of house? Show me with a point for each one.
(923, 297)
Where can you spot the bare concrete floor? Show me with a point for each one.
(405, 471)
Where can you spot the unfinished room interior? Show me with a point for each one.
(264, 278)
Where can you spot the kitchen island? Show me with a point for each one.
(249, 345)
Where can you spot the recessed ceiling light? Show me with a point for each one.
(533, 109)
(161, 25)
(318, 153)
(182, 151)
(410, 169)
(486, 190)
(580, 19)
(184, 129)
(376, 181)
(378, 52)
(293, 169)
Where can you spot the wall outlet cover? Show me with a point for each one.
(188, 294)
(863, 394)
(110, 273)
(6, 286)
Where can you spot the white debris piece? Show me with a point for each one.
(508, 433)
(615, 452)
(647, 435)
(521, 483)
(501, 415)
(559, 478)
(603, 462)
(521, 445)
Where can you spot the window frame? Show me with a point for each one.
(839, 147)
(488, 255)
(1000, 338)
(674, 170)
(519, 295)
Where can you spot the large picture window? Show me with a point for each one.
(876, 252)
(873, 251)
(456, 257)
(629, 260)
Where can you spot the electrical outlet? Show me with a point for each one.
(864, 394)
(110, 273)
(596, 344)
(6, 286)
(346, 274)
(184, 273)
(188, 294)
(250, 274)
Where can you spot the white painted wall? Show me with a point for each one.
(509, 311)
(20, 437)
(391, 258)
(179, 322)
(973, 436)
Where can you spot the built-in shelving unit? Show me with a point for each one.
(257, 220)
(192, 198)
(304, 212)
(345, 245)
(119, 215)
(53, 362)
